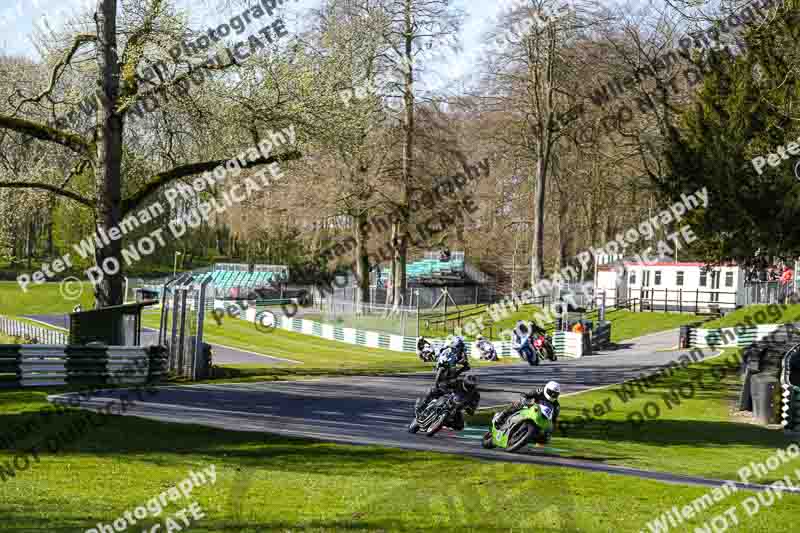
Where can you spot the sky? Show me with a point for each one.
(19, 18)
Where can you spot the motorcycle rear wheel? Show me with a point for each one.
(436, 425)
(521, 436)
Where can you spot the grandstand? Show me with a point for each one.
(238, 281)
(430, 270)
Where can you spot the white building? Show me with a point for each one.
(672, 286)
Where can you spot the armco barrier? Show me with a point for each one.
(16, 328)
(741, 337)
(42, 365)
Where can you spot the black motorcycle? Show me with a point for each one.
(437, 414)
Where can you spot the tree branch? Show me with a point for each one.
(76, 143)
(58, 69)
(164, 178)
(46, 187)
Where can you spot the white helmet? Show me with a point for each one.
(552, 390)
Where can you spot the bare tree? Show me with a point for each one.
(99, 151)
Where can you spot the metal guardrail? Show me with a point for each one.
(25, 330)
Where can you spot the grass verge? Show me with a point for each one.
(38, 299)
(317, 487)
(758, 314)
(679, 423)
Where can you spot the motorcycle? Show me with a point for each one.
(434, 416)
(488, 351)
(426, 351)
(529, 424)
(427, 354)
(544, 349)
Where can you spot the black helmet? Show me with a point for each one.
(470, 382)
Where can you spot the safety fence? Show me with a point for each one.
(566, 343)
(35, 334)
(790, 407)
(740, 336)
(790, 393)
(41, 365)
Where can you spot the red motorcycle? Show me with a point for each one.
(543, 348)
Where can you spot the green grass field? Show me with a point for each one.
(318, 356)
(692, 430)
(39, 299)
(758, 314)
(628, 325)
(267, 483)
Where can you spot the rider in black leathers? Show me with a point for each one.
(467, 398)
(449, 379)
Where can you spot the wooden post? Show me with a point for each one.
(680, 300)
(697, 301)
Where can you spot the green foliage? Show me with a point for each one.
(744, 110)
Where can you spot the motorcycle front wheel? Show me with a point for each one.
(436, 425)
(487, 441)
(520, 436)
(413, 427)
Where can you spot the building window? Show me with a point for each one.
(703, 278)
(729, 279)
(658, 277)
(679, 278)
(633, 278)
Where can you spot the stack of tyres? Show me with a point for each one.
(87, 365)
(9, 365)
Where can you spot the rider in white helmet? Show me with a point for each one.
(549, 393)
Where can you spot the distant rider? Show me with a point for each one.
(486, 348)
(549, 392)
(521, 342)
(424, 346)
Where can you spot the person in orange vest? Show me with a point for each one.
(578, 328)
(786, 281)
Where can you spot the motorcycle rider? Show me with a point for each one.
(447, 379)
(550, 392)
(487, 348)
(521, 342)
(423, 345)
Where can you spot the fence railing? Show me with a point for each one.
(25, 330)
(689, 301)
(42, 365)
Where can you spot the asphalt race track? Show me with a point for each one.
(377, 410)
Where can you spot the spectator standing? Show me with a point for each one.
(787, 277)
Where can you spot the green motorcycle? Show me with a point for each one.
(528, 425)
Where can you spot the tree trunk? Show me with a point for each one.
(563, 231)
(50, 222)
(537, 249)
(400, 229)
(362, 260)
(109, 156)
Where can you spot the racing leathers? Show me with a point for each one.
(449, 380)
(534, 396)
